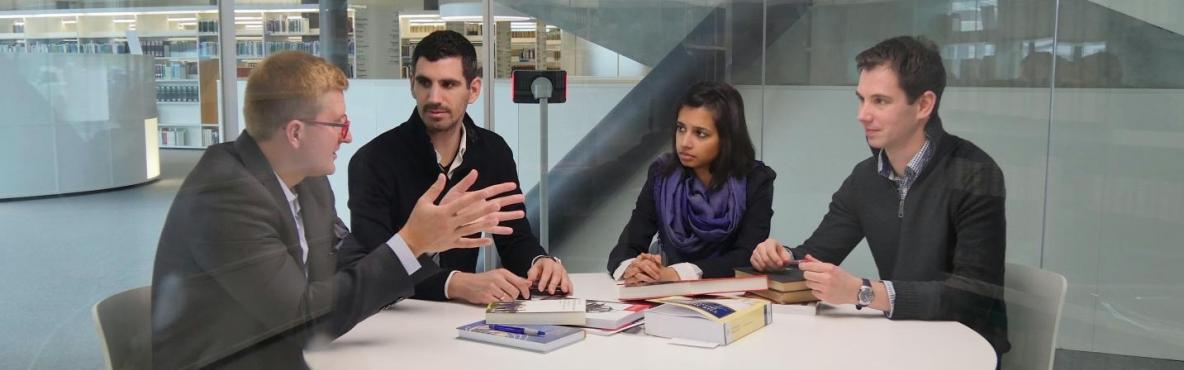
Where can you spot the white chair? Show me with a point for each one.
(1034, 300)
(124, 323)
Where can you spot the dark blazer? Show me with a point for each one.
(389, 174)
(734, 252)
(229, 289)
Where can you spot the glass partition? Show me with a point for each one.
(1078, 101)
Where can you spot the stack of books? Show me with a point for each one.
(785, 287)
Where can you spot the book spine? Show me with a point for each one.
(743, 323)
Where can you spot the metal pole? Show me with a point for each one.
(544, 223)
(1052, 100)
(488, 67)
(334, 16)
(541, 88)
(228, 64)
(487, 76)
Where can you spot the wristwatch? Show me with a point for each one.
(866, 295)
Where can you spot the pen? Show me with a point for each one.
(517, 330)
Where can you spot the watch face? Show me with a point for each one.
(865, 296)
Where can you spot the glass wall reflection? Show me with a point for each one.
(1058, 105)
(1079, 102)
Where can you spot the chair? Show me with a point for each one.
(125, 328)
(1034, 300)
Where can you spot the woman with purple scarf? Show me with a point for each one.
(709, 201)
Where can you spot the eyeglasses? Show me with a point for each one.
(344, 125)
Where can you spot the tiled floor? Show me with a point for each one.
(61, 255)
(1079, 360)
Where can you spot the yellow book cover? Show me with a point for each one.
(730, 318)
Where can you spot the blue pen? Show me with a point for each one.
(517, 330)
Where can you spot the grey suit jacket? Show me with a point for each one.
(229, 289)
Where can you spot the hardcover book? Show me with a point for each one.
(718, 320)
(567, 311)
(611, 315)
(553, 336)
(788, 280)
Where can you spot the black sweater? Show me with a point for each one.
(735, 251)
(389, 174)
(942, 246)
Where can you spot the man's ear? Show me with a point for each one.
(474, 90)
(293, 131)
(925, 104)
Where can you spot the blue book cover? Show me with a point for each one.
(553, 337)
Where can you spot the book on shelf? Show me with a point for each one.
(208, 136)
(553, 337)
(712, 320)
(207, 26)
(788, 280)
(692, 287)
(287, 25)
(171, 136)
(177, 93)
(567, 311)
(609, 315)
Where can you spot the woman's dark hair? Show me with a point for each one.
(736, 154)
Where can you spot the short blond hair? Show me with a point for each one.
(285, 86)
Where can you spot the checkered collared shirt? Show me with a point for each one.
(912, 169)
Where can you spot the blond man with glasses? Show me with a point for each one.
(247, 269)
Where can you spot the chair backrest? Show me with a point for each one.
(1034, 300)
(124, 322)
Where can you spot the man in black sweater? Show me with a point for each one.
(387, 174)
(929, 203)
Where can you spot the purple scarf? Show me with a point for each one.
(693, 217)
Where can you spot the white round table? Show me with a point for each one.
(422, 335)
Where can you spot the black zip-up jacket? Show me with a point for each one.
(942, 247)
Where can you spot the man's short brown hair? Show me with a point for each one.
(286, 86)
(916, 61)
